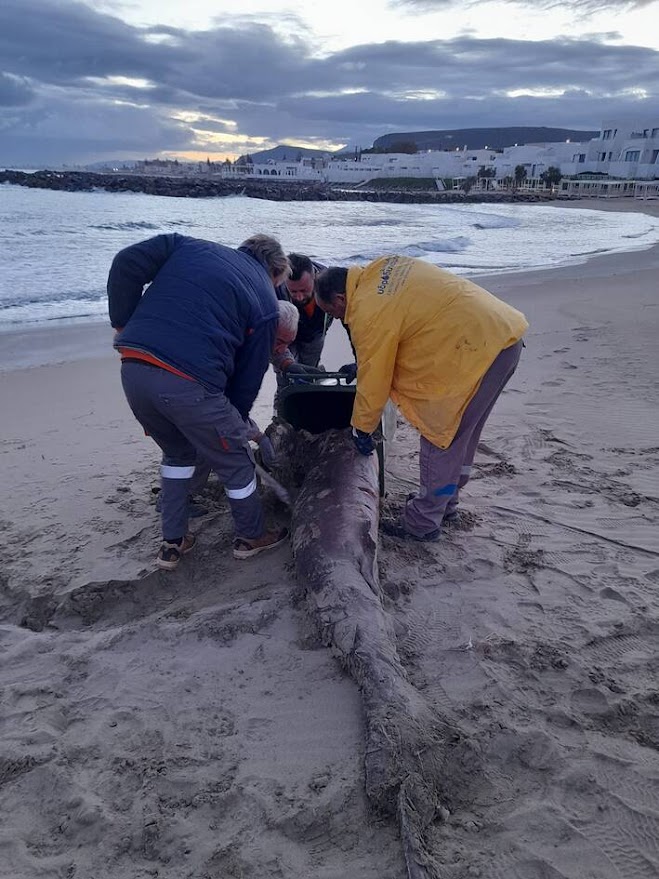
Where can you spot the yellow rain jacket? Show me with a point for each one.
(424, 337)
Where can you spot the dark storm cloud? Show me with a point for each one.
(467, 66)
(77, 82)
(54, 129)
(361, 118)
(63, 42)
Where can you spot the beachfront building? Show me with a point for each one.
(627, 150)
(537, 158)
(302, 170)
(622, 160)
(614, 163)
(430, 164)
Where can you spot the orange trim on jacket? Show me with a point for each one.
(133, 354)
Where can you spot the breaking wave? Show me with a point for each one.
(496, 221)
(445, 245)
(439, 245)
(120, 227)
(50, 296)
(56, 247)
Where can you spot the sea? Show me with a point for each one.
(56, 247)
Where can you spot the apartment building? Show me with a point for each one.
(622, 150)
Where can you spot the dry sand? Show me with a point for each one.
(189, 725)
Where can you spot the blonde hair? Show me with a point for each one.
(269, 252)
(289, 317)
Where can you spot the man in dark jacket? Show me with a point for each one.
(314, 323)
(195, 346)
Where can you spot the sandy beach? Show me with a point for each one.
(189, 724)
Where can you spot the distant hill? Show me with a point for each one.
(284, 153)
(479, 138)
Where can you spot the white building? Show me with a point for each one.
(623, 151)
(306, 169)
(536, 158)
(437, 164)
(628, 150)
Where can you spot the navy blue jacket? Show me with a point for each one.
(210, 311)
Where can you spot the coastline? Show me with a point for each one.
(191, 723)
(26, 347)
(281, 190)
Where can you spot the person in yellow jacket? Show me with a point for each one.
(443, 349)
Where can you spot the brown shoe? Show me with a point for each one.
(246, 547)
(169, 554)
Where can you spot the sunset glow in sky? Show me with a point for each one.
(84, 81)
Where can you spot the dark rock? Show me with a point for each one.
(280, 190)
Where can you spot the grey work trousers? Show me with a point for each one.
(190, 424)
(444, 472)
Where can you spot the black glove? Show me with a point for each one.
(300, 369)
(363, 441)
(349, 370)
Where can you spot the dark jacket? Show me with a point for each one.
(313, 326)
(210, 311)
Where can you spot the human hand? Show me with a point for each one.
(253, 430)
(300, 369)
(268, 455)
(363, 441)
(349, 370)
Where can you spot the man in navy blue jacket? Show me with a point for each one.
(195, 346)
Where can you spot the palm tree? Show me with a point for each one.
(551, 177)
(520, 175)
(486, 174)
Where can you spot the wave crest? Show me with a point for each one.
(119, 227)
(445, 245)
(496, 221)
(417, 249)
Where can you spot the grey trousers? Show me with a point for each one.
(190, 424)
(445, 471)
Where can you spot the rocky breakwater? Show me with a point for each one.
(273, 190)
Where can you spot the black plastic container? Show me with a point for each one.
(317, 403)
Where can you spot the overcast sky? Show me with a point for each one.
(86, 81)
